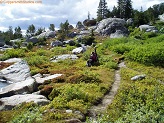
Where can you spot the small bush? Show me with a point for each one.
(111, 65)
(122, 48)
(36, 60)
(29, 45)
(88, 40)
(13, 53)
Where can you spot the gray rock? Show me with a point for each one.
(19, 75)
(129, 21)
(80, 26)
(70, 42)
(8, 103)
(161, 17)
(24, 87)
(63, 57)
(11, 60)
(48, 34)
(40, 79)
(17, 72)
(118, 34)
(72, 34)
(34, 40)
(78, 50)
(138, 77)
(85, 32)
(148, 28)
(111, 25)
(56, 44)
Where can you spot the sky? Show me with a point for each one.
(42, 13)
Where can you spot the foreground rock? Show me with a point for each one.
(8, 103)
(23, 87)
(112, 25)
(17, 72)
(19, 75)
(13, 60)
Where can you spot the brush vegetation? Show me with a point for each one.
(80, 86)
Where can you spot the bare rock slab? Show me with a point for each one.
(8, 103)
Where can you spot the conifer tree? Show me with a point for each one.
(17, 33)
(102, 10)
(125, 8)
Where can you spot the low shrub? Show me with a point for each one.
(36, 60)
(88, 40)
(30, 115)
(14, 53)
(149, 55)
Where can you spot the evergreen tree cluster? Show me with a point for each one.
(125, 10)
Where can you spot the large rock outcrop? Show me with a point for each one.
(112, 25)
(19, 75)
(16, 73)
(8, 103)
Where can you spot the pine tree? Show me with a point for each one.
(102, 10)
(30, 31)
(52, 27)
(125, 8)
(128, 9)
(17, 33)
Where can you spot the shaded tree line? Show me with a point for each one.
(125, 10)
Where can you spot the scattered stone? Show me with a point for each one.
(138, 77)
(78, 50)
(148, 28)
(70, 42)
(40, 79)
(56, 44)
(63, 57)
(8, 103)
(68, 111)
(34, 40)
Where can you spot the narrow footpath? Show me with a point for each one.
(108, 98)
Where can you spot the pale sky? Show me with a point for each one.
(47, 12)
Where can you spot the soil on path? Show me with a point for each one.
(108, 98)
